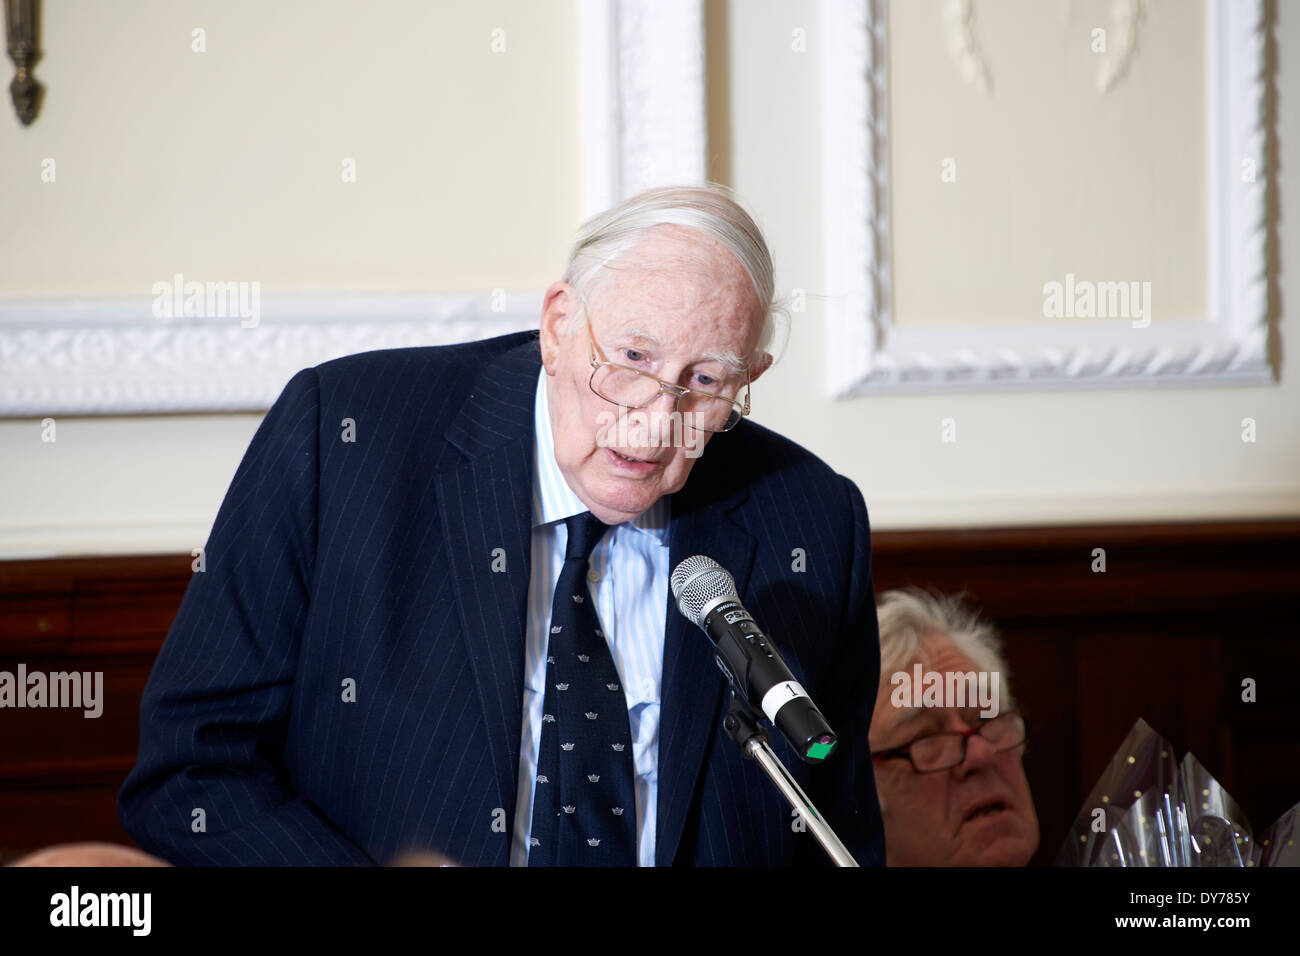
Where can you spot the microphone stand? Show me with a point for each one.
(741, 724)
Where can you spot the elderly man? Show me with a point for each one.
(453, 634)
(952, 786)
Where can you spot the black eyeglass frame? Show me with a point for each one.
(905, 751)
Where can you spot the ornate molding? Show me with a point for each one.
(643, 123)
(959, 19)
(110, 356)
(1128, 15)
(866, 353)
(959, 25)
(855, 104)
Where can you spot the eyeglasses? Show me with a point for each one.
(931, 753)
(631, 388)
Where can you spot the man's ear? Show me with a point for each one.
(763, 364)
(559, 307)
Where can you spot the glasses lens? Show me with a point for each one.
(624, 386)
(707, 412)
(631, 389)
(1004, 731)
(936, 752)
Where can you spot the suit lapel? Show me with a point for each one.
(694, 690)
(484, 491)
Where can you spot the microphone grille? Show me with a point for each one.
(697, 582)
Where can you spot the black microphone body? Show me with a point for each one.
(757, 672)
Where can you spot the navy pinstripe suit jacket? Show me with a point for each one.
(371, 562)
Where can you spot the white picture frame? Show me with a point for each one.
(867, 353)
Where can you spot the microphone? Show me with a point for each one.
(706, 595)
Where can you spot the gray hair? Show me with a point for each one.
(910, 617)
(709, 209)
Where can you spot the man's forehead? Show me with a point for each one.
(912, 716)
(675, 269)
(715, 326)
(674, 302)
(903, 717)
(704, 320)
(938, 655)
(672, 246)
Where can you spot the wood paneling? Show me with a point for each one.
(59, 770)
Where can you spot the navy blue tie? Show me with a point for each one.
(584, 809)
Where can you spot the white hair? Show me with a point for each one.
(709, 209)
(911, 617)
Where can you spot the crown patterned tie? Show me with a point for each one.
(584, 810)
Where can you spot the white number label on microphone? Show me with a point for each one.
(780, 695)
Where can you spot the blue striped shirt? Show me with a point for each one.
(629, 584)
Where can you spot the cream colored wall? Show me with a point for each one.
(1019, 458)
(227, 166)
(251, 192)
(1047, 175)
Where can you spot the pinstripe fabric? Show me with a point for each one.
(631, 567)
(345, 680)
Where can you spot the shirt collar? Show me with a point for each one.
(553, 499)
